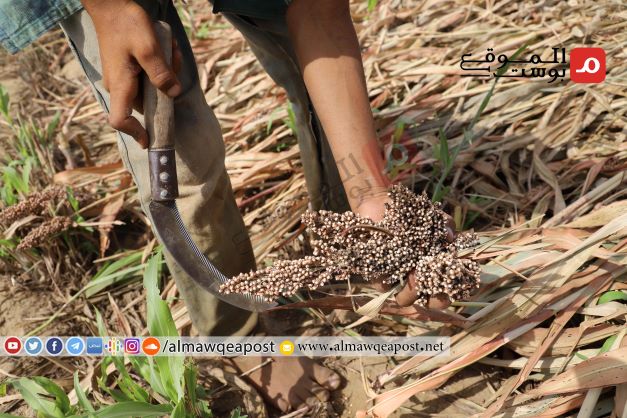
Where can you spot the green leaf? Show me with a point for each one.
(271, 120)
(290, 121)
(32, 394)
(607, 345)
(237, 413)
(81, 396)
(444, 157)
(205, 412)
(145, 367)
(4, 104)
(127, 385)
(114, 273)
(133, 409)
(179, 410)
(371, 5)
(160, 321)
(161, 324)
(52, 126)
(612, 295)
(62, 401)
(102, 329)
(191, 381)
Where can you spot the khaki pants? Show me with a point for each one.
(206, 199)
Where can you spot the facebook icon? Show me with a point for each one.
(54, 346)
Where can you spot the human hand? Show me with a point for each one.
(374, 208)
(128, 47)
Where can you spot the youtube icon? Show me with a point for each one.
(12, 345)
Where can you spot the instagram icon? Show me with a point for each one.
(131, 345)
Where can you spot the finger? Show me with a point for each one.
(379, 285)
(152, 60)
(407, 295)
(450, 227)
(123, 92)
(439, 301)
(450, 234)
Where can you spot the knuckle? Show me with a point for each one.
(147, 51)
(162, 78)
(117, 121)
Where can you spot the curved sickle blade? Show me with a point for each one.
(177, 241)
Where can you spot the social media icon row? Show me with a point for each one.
(75, 346)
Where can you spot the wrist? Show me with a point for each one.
(101, 11)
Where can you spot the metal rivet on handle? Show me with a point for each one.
(164, 177)
(163, 193)
(163, 159)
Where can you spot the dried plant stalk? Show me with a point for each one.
(411, 237)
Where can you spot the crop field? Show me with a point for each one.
(535, 170)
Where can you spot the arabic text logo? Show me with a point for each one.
(131, 345)
(514, 67)
(587, 65)
(151, 346)
(75, 346)
(94, 345)
(113, 346)
(54, 346)
(12, 345)
(33, 346)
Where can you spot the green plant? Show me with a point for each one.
(168, 385)
(29, 151)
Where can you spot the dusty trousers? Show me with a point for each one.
(206, 201)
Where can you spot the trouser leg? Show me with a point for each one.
(206, 201)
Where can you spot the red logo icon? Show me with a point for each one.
(587, 65)
(12, 345)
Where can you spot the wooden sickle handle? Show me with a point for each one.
(159, 122)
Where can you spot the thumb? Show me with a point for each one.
(407, 296)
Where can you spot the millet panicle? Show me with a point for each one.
(412, 236)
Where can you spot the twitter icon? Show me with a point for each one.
(33, 346)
